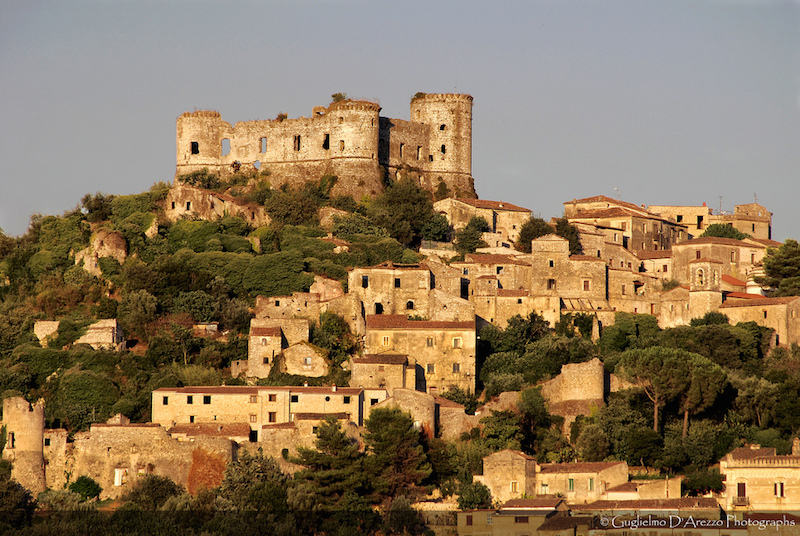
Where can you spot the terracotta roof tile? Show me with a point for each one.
(493, 258)
(743, 296)
(650, 504)
(580, 467)
(493, 205)
(716, 240)
(760, 302)
(601, 198)
(733, 281)
(265, 332)
(660, 254)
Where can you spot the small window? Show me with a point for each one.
(277, 303)
(326, 143)
(381, 368)
(444, 149)
(272, 398)
(295, 398)
(191, 418)
(456, 342)
(373, 401)
(346, 400)
(430, 158)
(551, 284)
(587, 285)
(520, 519)
(314, 430)
(264, 342)
(272, 416)
(297, 142)
(195, 148)
(396, 282)
(173, 205)
(623, 290)
(499, 270)
(263, 145)
(469, 520)
(779, 491)
(188, 205)
(697, 254)
(206, 399)
(519, 301)
(46, 441)
(253, 399)
(190, 399)
(429, 342)
(165, 400)
(410, 305)
(419, 152)
(402, 146)
(514, 486)
(466, 271)
(431, 368)
(551, 263)
(591, 484)
(341, 145)
(386, 340)
(456, 368)
(442, 127)
(571, 484)
(253, 418)
(341, 120)
(733, 256)
(306, 360)
(364, 281)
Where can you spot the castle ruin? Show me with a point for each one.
(348, 139)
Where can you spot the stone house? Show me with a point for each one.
(507, 271)
(304, 359)
(509, 474)
(758, 479)
(184, 200)
(737, 258)
(640, 229)
(102, 335)
(258, 405)
(516, 517)
(268, 339)
(751, 218)
(503, 218)
(382, 371)
(779, 314)
(665, 488)
(441, 354)
(580, 482)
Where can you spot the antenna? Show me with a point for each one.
(617, 190)
(755, 197)
(720, 204)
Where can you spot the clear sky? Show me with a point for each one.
(668, 101)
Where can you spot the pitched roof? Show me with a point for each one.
(751, 452)
(733, 281)
(603, 198)
(651, 504)
(767, 242)
(532, 503)
(492, 205)
(760, 302)
(402, 322)
(265, 332)
(381, 359)
(716, 240)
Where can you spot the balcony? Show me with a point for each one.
(741, 501)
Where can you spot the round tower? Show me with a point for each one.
(449, 120)
(354, 127)
(199, 138)
(24, 448)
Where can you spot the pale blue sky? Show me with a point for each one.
(672, 102)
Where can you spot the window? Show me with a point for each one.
(551, 284)
(544, 489)
(429, 342)
(314, 430)
(551, 263)
(297, 142)
(120, 476)
(386, 340)
(779, 489)
(341, 120)
(469, 520)
(46, 441)
(341, 145)
(206, 399)
(373, 401)
(419, 152)
(272, 416)
(514, 486)
(733, 256)
(190, 399)
(410, 305)
(571, 484)
(697, 254)
(431, 368)
(295, 398)
(499, 270)
(306, 360)
(273, 398)
(266, 361)
(444, 149)
(188, 205)
(700, 277)
(226, 147)
(456, 342)
(664, 269)
(191, 418)
(195, 148)
(591, 484)
(441, 127)
(456, 368)
(623, 290)
(253, 399)
(165, 400)
(466, 271)
(396, 282)
(346, 400)
(587, 285)
(364, 281)
(263, 145)
(402, 146)
(326, 143)
(253, 418)
(520, 519)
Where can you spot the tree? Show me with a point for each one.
(333, 334)
(782, 269)
(436, 229)
(151, 491)
(531, 230)
(705, 382)
(724, 230)
(332, 470)
(338, 97)
(592, 443)
(403, 209)
(660, 372)
(16, 505)
(474, 495)
(501, 430)
(395, 459)
(86, 487)
(255, 482)
(137, 309)
(565, 229)
(469, 239)
(756, 399)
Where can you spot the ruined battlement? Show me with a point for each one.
(347, 138)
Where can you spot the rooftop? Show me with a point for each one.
(492, 205)
(402, 322)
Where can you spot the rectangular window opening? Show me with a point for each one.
(195, 148)
(263, 145)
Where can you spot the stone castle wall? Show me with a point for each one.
(347, 139)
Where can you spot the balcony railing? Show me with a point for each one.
(741, 501)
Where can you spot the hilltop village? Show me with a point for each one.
(304, 280)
